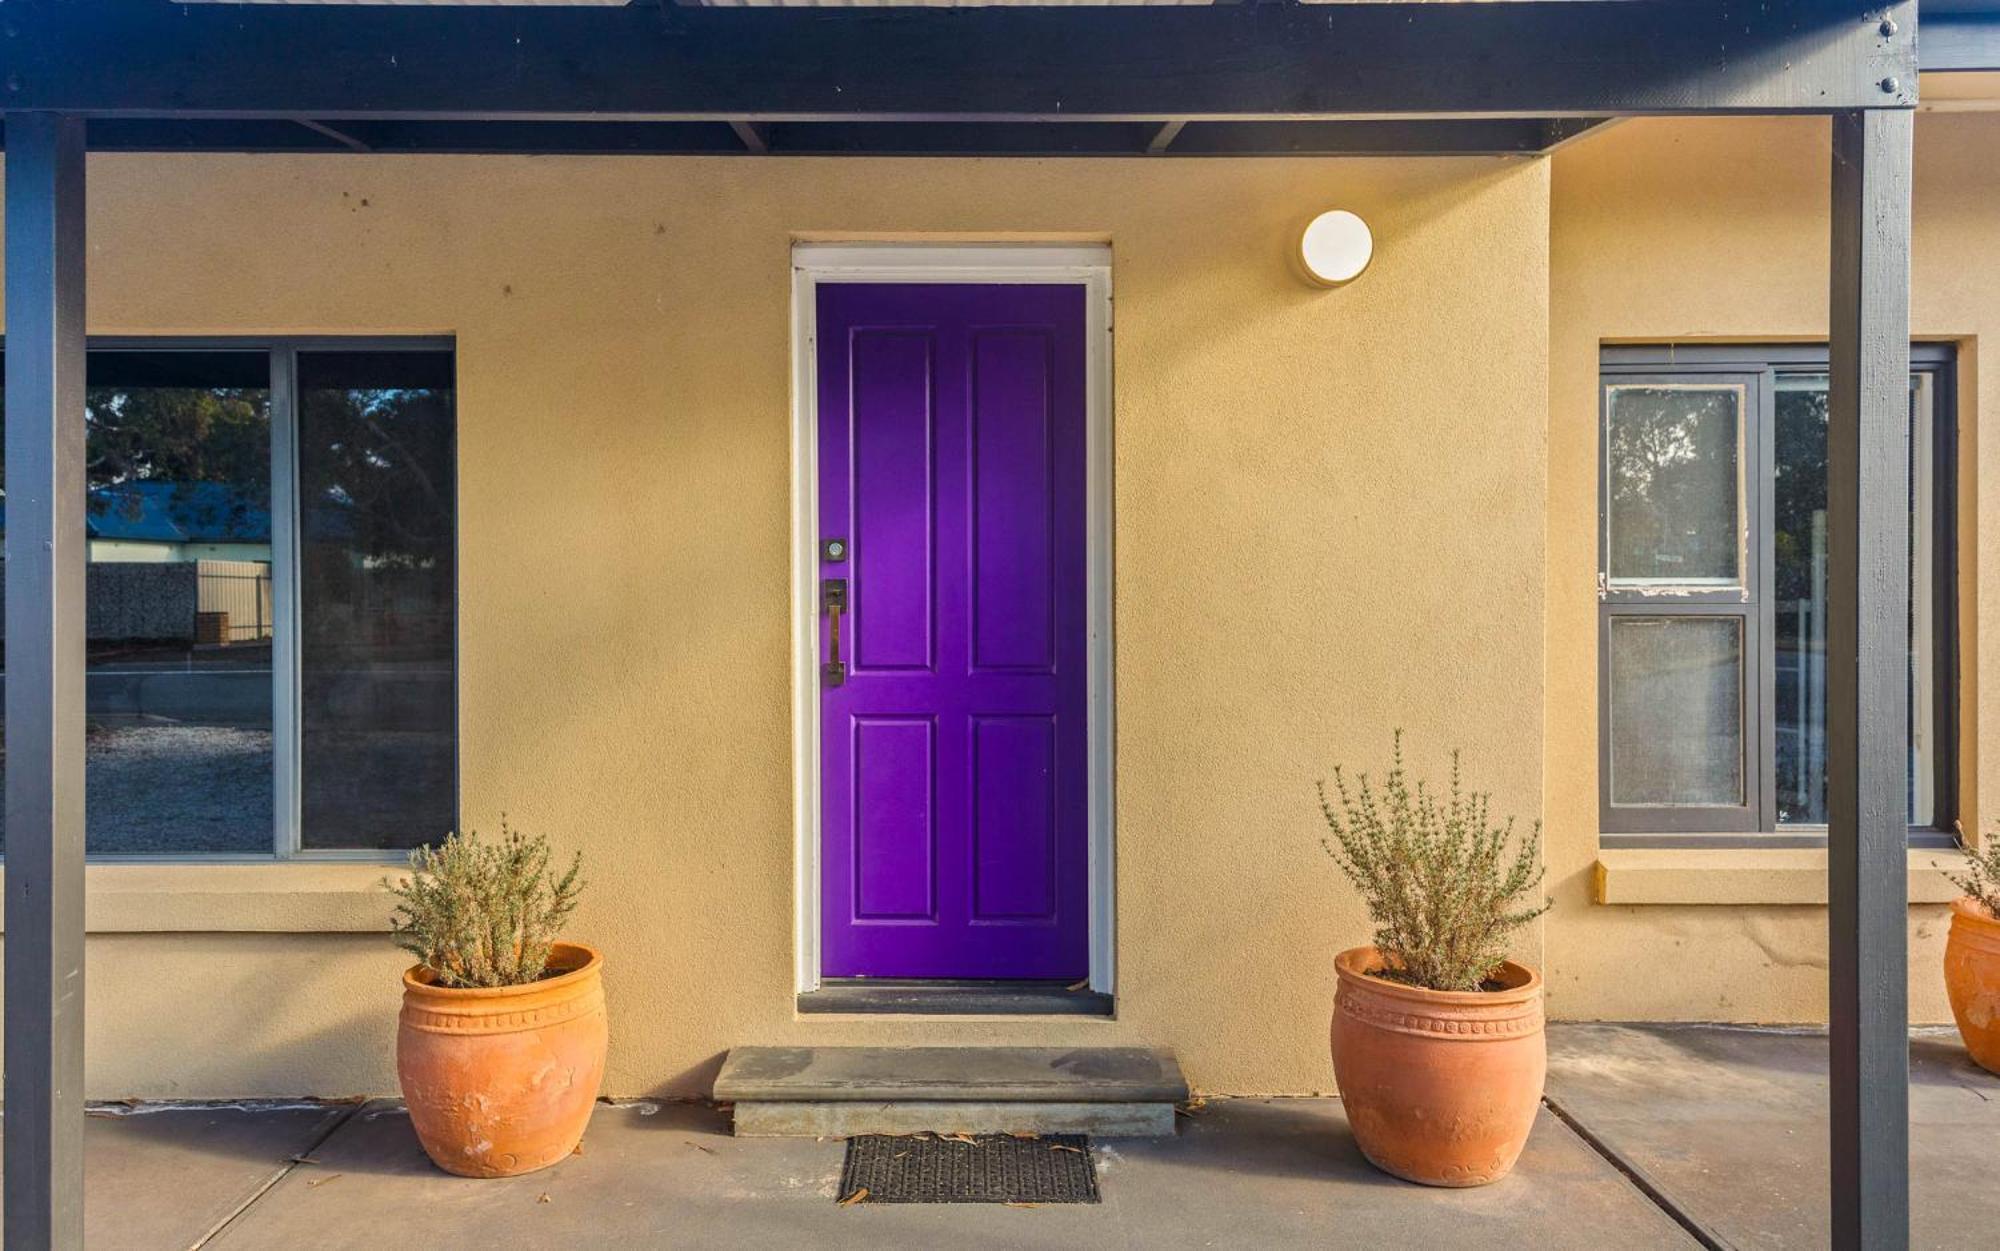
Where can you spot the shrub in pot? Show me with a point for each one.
(501, 1043)
(1437, 1037)
(1972, 956)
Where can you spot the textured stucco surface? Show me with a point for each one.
(1706, 230)
(1330, 523)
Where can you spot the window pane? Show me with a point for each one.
(1923, 601)
(1673, 481)
(1676, 711)
(378, 598)
(1800, 572)
(178, 611)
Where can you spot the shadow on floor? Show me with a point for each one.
(1298, 1139)
(1729, 1124)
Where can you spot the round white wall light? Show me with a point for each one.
(1335, 248)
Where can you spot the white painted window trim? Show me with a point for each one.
(1088, 266)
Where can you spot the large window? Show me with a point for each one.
(1712, 584)
(270, 598)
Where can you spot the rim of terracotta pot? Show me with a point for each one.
(586, 958)
(1966, 908)
(1357, 965)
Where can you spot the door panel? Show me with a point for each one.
(895, 835)
(891, 528)
(1013, 510)
(1014, 822)
(954, 820)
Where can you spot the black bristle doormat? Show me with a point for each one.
(968, 1168)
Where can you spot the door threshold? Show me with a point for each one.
(952, 997)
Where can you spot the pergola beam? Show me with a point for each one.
(719, 137)
(1960, 41)
(1536, 58)
(1868, 677)
(45, 695)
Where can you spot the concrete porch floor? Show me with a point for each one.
(1724, 1126)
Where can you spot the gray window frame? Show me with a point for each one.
(287, 833)
(1758, 367)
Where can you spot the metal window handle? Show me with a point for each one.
(833, 600)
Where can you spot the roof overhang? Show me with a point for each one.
(1208, 80)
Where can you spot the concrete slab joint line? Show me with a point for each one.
(1640, 1180)
(283, 1172)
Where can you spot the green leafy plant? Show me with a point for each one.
(484, 914)
(1981, 878)
(1435, 873)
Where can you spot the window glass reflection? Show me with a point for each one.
(1674, 480)
(378, 598)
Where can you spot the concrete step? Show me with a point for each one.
(836, 1092)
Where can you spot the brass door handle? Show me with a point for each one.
(833, 601)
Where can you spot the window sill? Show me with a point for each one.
(1746, 875)
(275, 898)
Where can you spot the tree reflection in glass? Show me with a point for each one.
(377, 531)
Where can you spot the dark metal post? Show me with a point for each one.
(45, 561)
(1868, 693)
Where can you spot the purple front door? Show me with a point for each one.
(954, 797)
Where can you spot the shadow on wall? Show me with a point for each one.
(243, 1015)
(1267, 288)
(694, 1082)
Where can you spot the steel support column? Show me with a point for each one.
(45, 563)
(1868, 694)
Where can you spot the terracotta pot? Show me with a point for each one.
(1972, 980)
(501, 1080)
(1440, 1087)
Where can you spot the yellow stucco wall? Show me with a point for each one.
(1337, 513)
(1330, 523)
(1706, 230)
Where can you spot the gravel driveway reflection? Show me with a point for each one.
(166, 788)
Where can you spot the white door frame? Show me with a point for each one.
(1085, 266)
